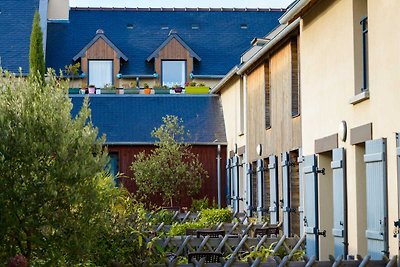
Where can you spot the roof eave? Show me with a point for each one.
(191, 52)
(293, 11)
(282, 34)
(108, 41)
(224, 80)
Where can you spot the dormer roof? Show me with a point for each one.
(100, 34)
(173, 35)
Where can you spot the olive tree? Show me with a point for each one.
(171, 169)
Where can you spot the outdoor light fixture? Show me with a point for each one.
(83, 75)
(155, 75)
(343, 131)
(259, 149)
(119, 76)
(191, 75)
(235, 149)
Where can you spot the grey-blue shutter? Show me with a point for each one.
(235, 184)
(273, 187)
(375, 161)
(260, 189)
(300, 160)
(397, 223)
(249, 198)
(339, 230)
(311, 205)
(228, 182)
(286, 193)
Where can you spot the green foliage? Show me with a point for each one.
(180, 228)
(203, 203)
(36, 54)
(215, 216)
(145, 86)
(72, 69)
(171, 169)
(163, 215)
(58, 207)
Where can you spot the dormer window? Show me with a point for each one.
(173, 72)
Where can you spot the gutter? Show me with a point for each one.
(208, 76)
(226, 78)
(288, 15)
(269, 45)
(152, 143)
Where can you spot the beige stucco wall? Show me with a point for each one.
(58, 9)
(329, 72)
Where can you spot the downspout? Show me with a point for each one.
(219, 174)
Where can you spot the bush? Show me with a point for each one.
(180, 229)
(215, 216)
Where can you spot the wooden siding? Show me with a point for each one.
(285, 131)
(173, 51)
(100, 50)
(207, 155)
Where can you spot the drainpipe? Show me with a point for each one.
(219, 174)
(245, 155)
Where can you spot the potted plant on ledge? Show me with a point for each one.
(194, 88)
(108, 89)
(146, 89)
(177, 88)
(160, 89)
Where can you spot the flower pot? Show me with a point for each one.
(120, 91)
(178, 90)
(147, 91)
(197, 90)
(82, 91)
(98, 91)
(92, 90)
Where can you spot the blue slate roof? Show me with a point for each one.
(129, 119)
(219, 40)
(16, 19)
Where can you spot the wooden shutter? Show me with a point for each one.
(228, 182)
(267, 78)
(311, 205)
(274, 196)
(339, 230)
(249, 198)
(260, 191)
(235, 183)
(295, 78)
(376, 180)
(286, 194)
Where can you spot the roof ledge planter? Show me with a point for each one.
(161, 90)
(73, 91)
(194, 88)
(108, 89)
(131, 91)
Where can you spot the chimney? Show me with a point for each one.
(58, 10)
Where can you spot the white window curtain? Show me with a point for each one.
(100, 73)
(173, 72)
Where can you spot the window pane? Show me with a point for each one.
(100, 72)
(173, 72)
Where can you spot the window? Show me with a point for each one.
(100, 72)
(364, 29)
(113, 167)
(295, 78)
(243, 26)
(195, 26)
(267, 76)
(173, 72)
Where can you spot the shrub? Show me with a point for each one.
(215, 216)
(180, 228)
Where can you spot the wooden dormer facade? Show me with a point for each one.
(173, 49)
(100, 49)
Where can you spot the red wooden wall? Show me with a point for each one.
(207, 155)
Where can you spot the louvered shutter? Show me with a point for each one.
(235, 183)
(249, 198)
(376, 180)
(260, 192)
(286, 193)
(311, 205)
(339, 230)
(228, 182)
(274, 197)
